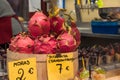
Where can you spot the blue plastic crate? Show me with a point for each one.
(105, 27)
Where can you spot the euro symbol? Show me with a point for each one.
(67, 68)
(31, 70)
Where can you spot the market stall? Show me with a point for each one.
(57, 47)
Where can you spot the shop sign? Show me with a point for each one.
(22, 69)
(60, 67)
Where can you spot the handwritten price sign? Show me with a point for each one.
(60, 67)
(22, 69)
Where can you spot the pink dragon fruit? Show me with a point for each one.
(45, 45)
(76, 33)
(39, 24)
(66, 42)
(56, 25)
(22, 44)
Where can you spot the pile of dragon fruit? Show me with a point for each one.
(47, 35)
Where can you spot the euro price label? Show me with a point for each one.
(60, 67)
(24, 69)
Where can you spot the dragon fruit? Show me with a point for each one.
(22, 44)
(39, 24)
(45, 45)
(66, 42)
(56, 25)
(76, 33)
(71, 27)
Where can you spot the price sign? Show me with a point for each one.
(60, 67)
(22, 69)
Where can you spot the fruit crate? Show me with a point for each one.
(41, 60)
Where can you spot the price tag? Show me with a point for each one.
(22, 69)
(60, 67)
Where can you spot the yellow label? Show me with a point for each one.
(22, 69)
(60, 67)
